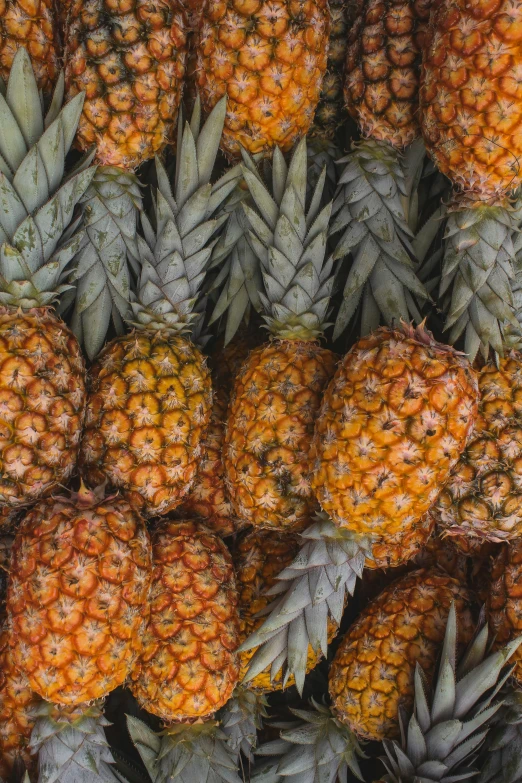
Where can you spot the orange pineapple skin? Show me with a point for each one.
(189, 665)
(78, 596)
(208, 499)
(383, 68)
(504, 602)
(371, 675)
(16, 719)
(148, 409)
(392, 425)
(30, 24)
(270, 426)
(471, 113)
(129, 56)
(483, 498)
(330, 113)
(392, 551)
(270, 57)
(42, 405)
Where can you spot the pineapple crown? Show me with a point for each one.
(176, 251)
(291, 246)
(193, 752)
(39, 235)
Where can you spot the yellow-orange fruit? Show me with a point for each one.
(504, 599)
(393, 423)
(269, 432)
(471, 112)
(371, 675)
(78, 596)
(269, 56)
(189, 665)
(30, 24)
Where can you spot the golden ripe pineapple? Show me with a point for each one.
(129, 57)
(483, 499)
(150, 399)
(73, 558)
(269, 57)
(278, 391)
(30, 24)
(42, 382)
(189, 665)
(392, 426)
(383, 68)
(471, 118)
(372, 673)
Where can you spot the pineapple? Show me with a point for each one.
(372, 673)
(483, 498)
(392, 425)
(189, 666)
(30, 24)
(441, 740)
(73, 557)
(269, 57)
(277, 394)
(469, 116)
(42, 385)
(150, 398)
(129, 57)
(500, 759)
(503, 598)
(372, 206)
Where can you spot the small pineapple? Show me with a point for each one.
(278, 392)
(269, 58)
(483, 499)
(42, 385)
(30, 24)
(470, 120)
(189, 666)
(150, 398)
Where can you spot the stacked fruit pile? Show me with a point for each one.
(260, 391)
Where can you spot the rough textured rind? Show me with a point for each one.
(129, 57)
(483, 498)
(42, 404)
(78, 597)
(189, 666)
(31, 24)
(392, 551)
(371, 675)
(383, 68)
(470, 96)
(504, 599)
(392, 425)
(148, 408)
(16, 718)
(269, 56)
(270, 425)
